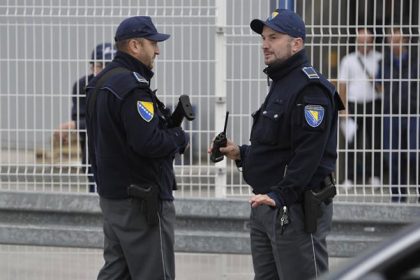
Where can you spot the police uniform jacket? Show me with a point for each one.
(79, 101)
(294, 133)
(128, 137)
(78, 110)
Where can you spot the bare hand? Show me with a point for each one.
(343, 113)
(259, 199)
(230, 151)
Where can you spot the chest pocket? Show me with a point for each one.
(267, 123)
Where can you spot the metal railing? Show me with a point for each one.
(215, 58)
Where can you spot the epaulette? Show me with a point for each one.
(314, 77)
(123, 83)
(310, 72)
(140, 79)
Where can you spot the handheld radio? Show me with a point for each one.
(219, 141)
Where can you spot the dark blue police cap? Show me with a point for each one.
(283, 21)
(103, 51)
(139, 27)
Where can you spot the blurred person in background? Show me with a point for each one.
(101, 55)
(399, 76)
(363, 98)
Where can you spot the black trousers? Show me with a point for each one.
(364, 156)
(290, 253)
(133, 250)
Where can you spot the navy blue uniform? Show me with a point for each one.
(130, 141)
(293, 149)
(290, 150)
(78, 109)
(78, 115)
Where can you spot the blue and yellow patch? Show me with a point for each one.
(273, 15)
(314, 115)
(146, 110)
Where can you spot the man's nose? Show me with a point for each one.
(264, 45)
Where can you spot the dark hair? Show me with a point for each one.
(122, 45)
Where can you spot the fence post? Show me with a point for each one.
(220, 88)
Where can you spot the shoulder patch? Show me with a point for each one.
(310, 72)
(314, 115)
(140, 79)
(146, 110)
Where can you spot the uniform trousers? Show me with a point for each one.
(133, 249)
(402, 144)
(288, 253)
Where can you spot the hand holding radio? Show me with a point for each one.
(219, 141)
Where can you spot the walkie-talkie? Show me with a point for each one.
(219, 141)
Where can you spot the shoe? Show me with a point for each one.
(347, 184)
(376, 183)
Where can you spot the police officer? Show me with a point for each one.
(101, 55)
(292, 150)
(130, 144)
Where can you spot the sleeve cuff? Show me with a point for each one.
(81, 124)
(277, 199)
(242, 151)
(181, 138)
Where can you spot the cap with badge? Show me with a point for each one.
(139, 27)
(282, 21)
(103, 51)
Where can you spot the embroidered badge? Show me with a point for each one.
(273, 15)
(314, 114)
(145, 110)
(139, 78)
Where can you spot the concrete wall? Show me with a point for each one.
(203, 225)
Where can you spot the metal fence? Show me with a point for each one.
(215, 58)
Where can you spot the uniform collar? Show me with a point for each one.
(132, 64)
(279, 70)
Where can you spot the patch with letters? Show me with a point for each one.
(314, 115)
(146, 110)
(310, 72)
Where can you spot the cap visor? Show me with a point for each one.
(158, 37)
(257, 25)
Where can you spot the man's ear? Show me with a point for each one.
(297, 45)
(135, 45)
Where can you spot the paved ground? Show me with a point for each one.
(48, 263)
